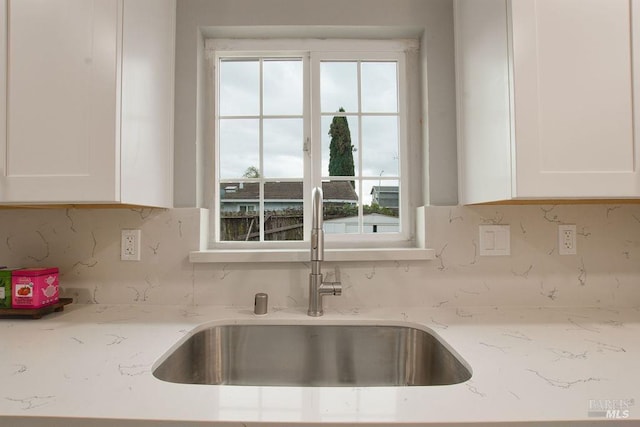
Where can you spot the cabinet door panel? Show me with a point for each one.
(573, 99)
(3, 89)
(484, 115)
(62, 141)
(147, 102)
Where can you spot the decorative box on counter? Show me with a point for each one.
(34, 287)
(5, 286)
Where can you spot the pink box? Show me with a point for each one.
(34, 287)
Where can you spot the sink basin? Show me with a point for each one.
(312, 355)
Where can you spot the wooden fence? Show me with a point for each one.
(283, 224)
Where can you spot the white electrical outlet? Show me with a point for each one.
(567, 240)
(130, 245)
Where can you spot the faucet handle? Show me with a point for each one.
(333, 288)
(337, 288)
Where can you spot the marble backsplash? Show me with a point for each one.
(85, 245)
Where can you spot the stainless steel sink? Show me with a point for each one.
(312, 355)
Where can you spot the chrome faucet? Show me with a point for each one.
(318, 288)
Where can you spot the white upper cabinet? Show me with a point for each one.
(89, 102)
(545, 100)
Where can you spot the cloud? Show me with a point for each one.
(283, 95)
(283, 144)
(380, 150)
(339, 86)
(239, 144)
(283, 87)
(239, 88)
(379, 87)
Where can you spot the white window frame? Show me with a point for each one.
(228, 49)
(313, 51)
(366, 239)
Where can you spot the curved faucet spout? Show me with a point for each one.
(316, 206)
(318, 288)
(317, 234)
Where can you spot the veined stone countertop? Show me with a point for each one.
(91, 366)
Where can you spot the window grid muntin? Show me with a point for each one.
(359, 176)
(393, 50)
(262, 179)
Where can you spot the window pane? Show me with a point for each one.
(260, 132)
(239, 147)
(339, 134)
(283, 143)
(379, 87)
(283, 211)
(381, 206)
(239, 205)
(340, 207)
(380, 152)
(282, 87)
(338, 86)
(239, 88)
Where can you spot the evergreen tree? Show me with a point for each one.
(340, 149)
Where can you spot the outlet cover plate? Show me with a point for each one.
(130, 245)
(567, 244)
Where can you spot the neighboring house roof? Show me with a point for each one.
(332, 190)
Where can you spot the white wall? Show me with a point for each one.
(433, 19)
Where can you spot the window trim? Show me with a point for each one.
(418, 252)
(392, 49)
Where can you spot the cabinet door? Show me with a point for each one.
(148, 47)
(3, 89)
(62, 127)
(573, 99)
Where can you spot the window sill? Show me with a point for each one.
(302, 255)
(419, 252)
